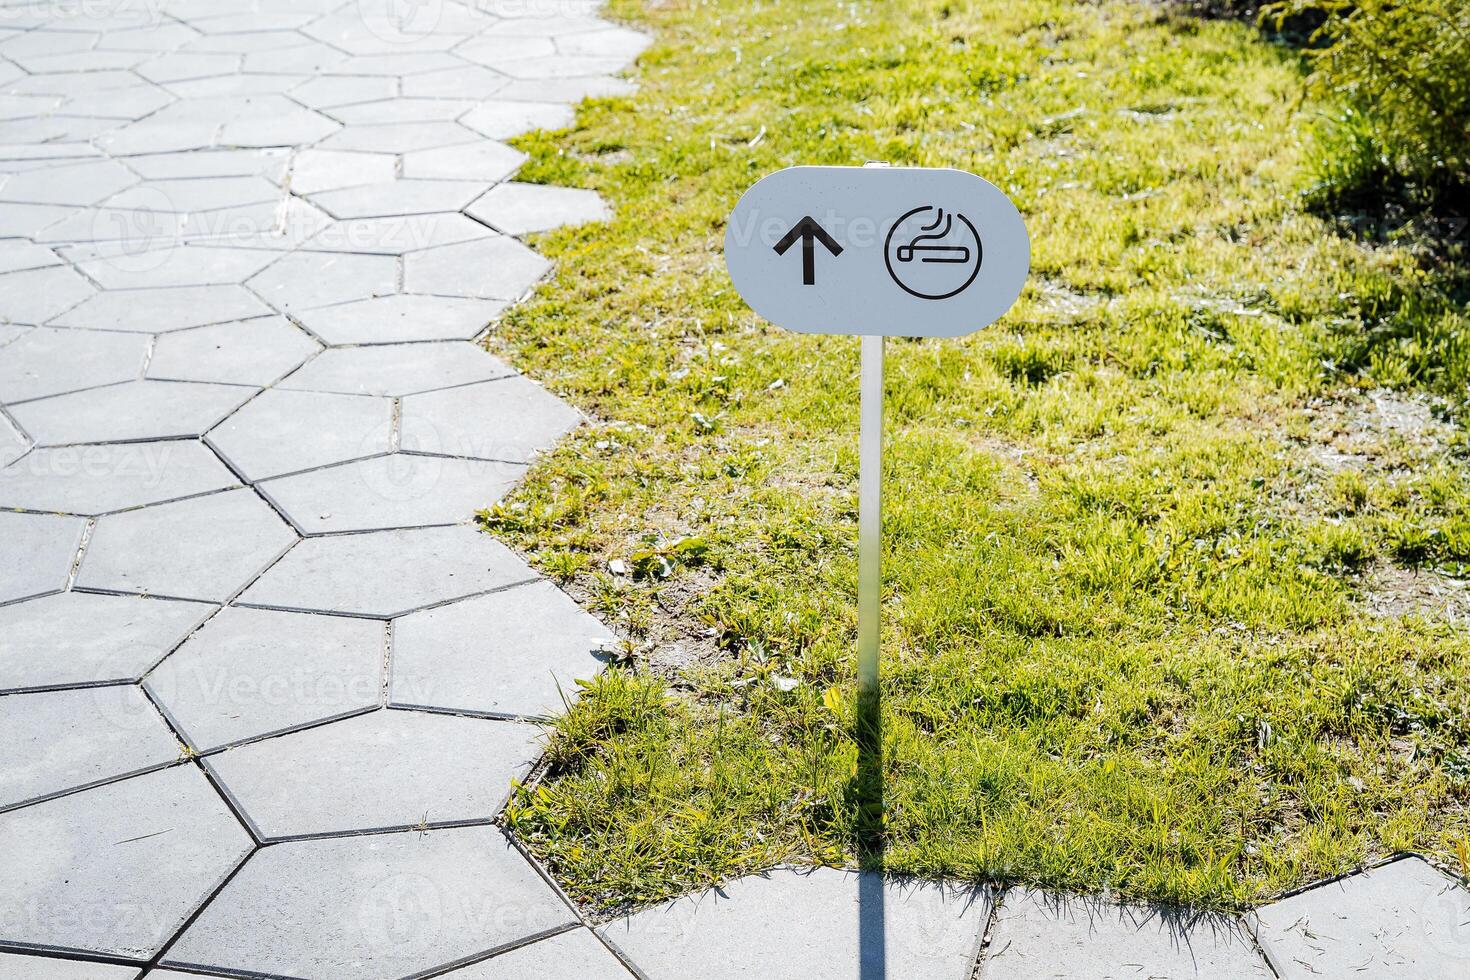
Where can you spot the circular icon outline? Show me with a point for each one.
(888, 262)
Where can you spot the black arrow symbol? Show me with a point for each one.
(808, 231)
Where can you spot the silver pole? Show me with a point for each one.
(870, 513)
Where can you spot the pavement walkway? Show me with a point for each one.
(263, 688)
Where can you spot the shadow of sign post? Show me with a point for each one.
(904, 251)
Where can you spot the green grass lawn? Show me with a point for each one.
(1127, 637)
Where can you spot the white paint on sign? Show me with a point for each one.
(893, 251)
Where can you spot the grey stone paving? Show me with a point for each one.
(262, 685)
(239, 264)
(1400, 921)
(819, 925)
(1041, 936)
(379, 906)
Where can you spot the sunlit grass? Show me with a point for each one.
(1121, 646)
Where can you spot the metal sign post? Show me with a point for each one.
(943, 250)
(870, 513)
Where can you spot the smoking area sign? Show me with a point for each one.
(876, 251)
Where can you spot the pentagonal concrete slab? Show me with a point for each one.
(47, 361)
(254, 672)
(39, 550)
(378, 771)
(302, 280)
(55, 741)
(396, 370)
(820, 925)
(491, 268)
(37, 295)
(470, 82)
(394, 491)
(164, 309)
(133, 410)
(1040, 936)
(510, 419)
(118, 868)
(76, 638)
(250, 352)
(516, 652)
(373, 908)
(1399, 921)
(93, 480)
(327, 91)
(387, 573)
(569, 954)
(23, 966)
(284, 431)
(399, 319)
(518, 209)
(206, 547)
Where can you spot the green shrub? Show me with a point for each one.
(1399, 68)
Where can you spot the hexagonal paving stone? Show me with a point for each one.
(1040, 936)
(372, 908)
(510, 419)
(202, 548)
(387, 573)
(164, 309)
(402, 110)
(394, 491)
(470, 82)
(313, 171)
(396, 369)
(37, 295)
(116, 869)
(610, 42)
(93, 480)
(56, 741)
(18, 255)
(517, 209)
(570, 954)
(13, 445)
(398, 235)
(76, 638)
(129, 411)
(253, 672)
(818, 925)
(399, 137)
(491, 268)
(284, 431)
(326, 91)
(398, 197)
(397, 319)
(24, 967)
(75, 184)
(202, 123)
(39, 550)
(515, 652)
(483, 160)
(48, 361)
(379, 771)
(130, 265)
(251, 352)
(502, 119)
(1399, 921)
(302, 280)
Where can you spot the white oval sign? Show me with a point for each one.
(896, 251)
